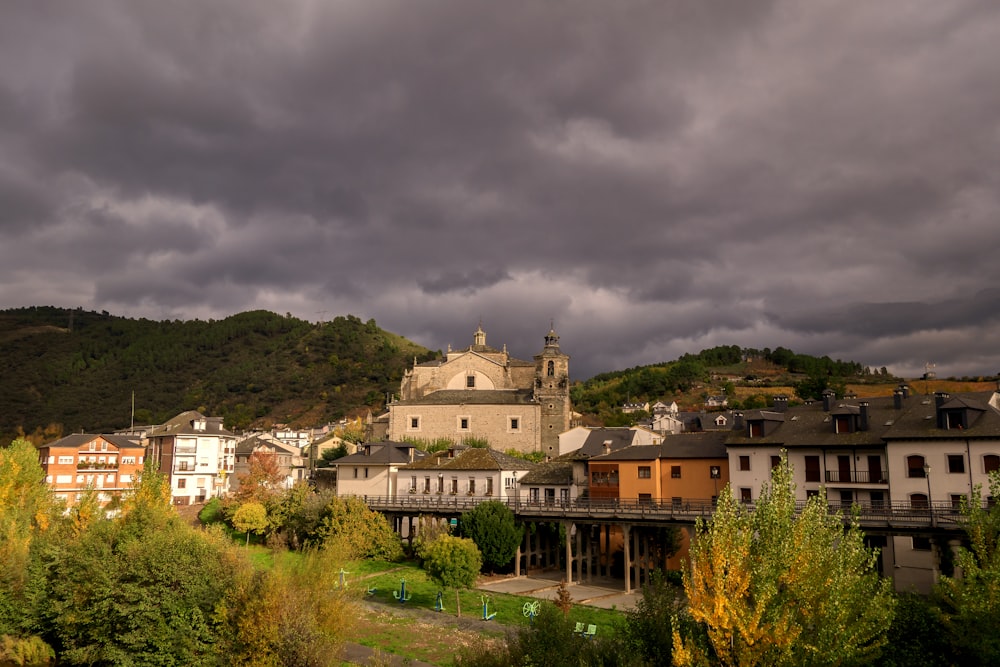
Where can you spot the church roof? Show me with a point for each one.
(472, 397)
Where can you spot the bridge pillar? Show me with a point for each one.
(569, 551)
(627, 560)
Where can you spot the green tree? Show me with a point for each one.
(28, 514)
(651, 620)
(971, 603)
(349, 524)
(453, 562)
(250, 517)
(491, 525)
(134, 592)
(772, 587)
(287, 616)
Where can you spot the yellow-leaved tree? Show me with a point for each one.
(778, 584)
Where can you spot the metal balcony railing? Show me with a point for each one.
(857, 477)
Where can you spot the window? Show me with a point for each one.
(744, 463)
(65, 459)
(745, 495)
(463, 423)
(675, 472)
(756, 429)
(489, 486)
(775, 461)
(715, 472)
(454, 485)
(921, 543)
(915, 466)
(956, 500)
(956, 463)
(472, 486)
(366, 473)
(413, 483)
(510, 483)
(470, 381)
(564, 496)
(64, 479)
(991, 463)
(645, 472)
(918, 501)
(811, 493)
(846, 497)
(533, 494)
(515, 423)
(675, 502)
(645, 499)
(182, 483)
(104, 446)
(427, 484)
(551, 369)
(877, 499)
(355, 473)
(414, 423)
(812, 468)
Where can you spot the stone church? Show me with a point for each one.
(483, 393)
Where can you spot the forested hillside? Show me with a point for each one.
(78, 369)
(718, 370)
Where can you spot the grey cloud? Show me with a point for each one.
(656, 177)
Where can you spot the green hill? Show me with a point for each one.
(719, 370)
(78, 369)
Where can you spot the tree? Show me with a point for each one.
(652, 619)
(262, 480)
(291, 615)
(28, 512)
(492, 527)
(971, 603)
(775, 588)
(348, 523)
(250, 517)
(453, 562)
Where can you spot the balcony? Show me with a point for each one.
(96, 465)
(857, 477)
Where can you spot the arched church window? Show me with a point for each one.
(552, 368)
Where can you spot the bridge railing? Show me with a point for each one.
(675, 509)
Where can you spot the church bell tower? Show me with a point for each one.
(552, 392)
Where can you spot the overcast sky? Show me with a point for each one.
(654, 177)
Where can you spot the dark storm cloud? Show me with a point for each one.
(654, 177)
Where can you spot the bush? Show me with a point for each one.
(492, 527)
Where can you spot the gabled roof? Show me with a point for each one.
(615, 437)
(183, 424)
(551, 473)
(77, 440)
(248, 445)
(918, 419)
(710, 445)
(630, 453)
(472, 397)
(382, 453)
(472, 458)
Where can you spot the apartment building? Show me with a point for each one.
(197, 453)
(106, 463)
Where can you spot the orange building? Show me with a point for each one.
(686, 471)
(107, 463)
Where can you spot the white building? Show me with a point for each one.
(197, 453)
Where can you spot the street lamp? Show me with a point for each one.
(516, 493)
(927, 475)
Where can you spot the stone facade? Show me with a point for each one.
(484, 393)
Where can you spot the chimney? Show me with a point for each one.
(864, 415)
(607, 446)
(905, 388)
(940, 397)
(738, 421)
(897, 399)
(829, 395)
(780, 403)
